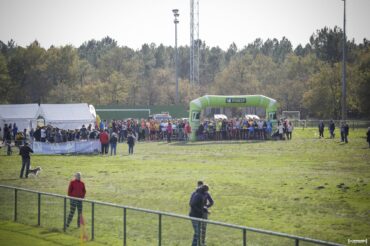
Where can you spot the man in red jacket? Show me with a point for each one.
(76, 189)
(104, 140)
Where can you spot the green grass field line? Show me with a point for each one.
(286, 186)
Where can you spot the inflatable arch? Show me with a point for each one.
(200, 103)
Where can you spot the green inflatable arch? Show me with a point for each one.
(213, 101)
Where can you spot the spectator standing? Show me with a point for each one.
(169, 130)
(37, 134)
(15, 130)
(197, 210)
(208, 202)
(8, 141)
(25, 151)
(101, 125)
(289, 132)
(104, 141)
(321, 129)
(5, 132)
(332, 129)
(131, 143)
(113, 143)
(83, 133)
(43, 134)
(32, 133)
(260, 131)
(280, 128)
(368, 136)
(344, 131)
(187, 130)
(76, 189)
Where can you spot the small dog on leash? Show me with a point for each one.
(34, 171)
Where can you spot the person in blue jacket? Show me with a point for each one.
(197, 202)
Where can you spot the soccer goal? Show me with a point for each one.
(292, 115)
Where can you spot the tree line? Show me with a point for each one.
(306, 78)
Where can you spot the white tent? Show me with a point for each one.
(220, 117)
(67, 116)
(252, 117)
(23, 115)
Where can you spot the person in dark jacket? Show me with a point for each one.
(208, 202)
(344, 131)
(77, 189)
(332, 129)
(321, 129)
(197, 210)
(25, 151)
(113, 143)
(368, 136)
(130, 142)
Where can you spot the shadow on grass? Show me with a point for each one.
(231, 142)
(29, 232)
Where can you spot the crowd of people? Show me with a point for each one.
(243, 129)
(110, 133)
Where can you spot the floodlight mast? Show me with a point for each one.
(344, 82)
(194, 42)
(176, 21)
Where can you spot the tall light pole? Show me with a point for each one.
(344, 90)
(176, 21)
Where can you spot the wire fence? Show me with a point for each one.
(353, 124)
(124, 225)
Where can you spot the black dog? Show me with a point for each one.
(35, 171)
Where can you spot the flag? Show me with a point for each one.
(83, 233)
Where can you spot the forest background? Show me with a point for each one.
(306, 78)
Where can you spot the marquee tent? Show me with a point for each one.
(67, 116)
(23, 115)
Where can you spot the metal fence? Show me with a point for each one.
(135, 226)
(353, 124)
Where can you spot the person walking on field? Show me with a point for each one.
(344, 131)
(25, 151)
(332, 129)
(76, 189)
(368, 136)
(321, 129)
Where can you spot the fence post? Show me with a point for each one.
(38, 208)
(64, 213)
(198, 229)
(296, 242)
(92, 221)
(244, 237)
(124, 226)
(159, 229)
(15, 204)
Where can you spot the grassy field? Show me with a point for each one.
(318, 188)
(21, 235)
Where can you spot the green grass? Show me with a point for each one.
(269, 185)
(22, 235)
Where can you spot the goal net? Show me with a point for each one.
(291, 115)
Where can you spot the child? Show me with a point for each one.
(131, 143)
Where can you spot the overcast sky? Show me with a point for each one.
(135, 22)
